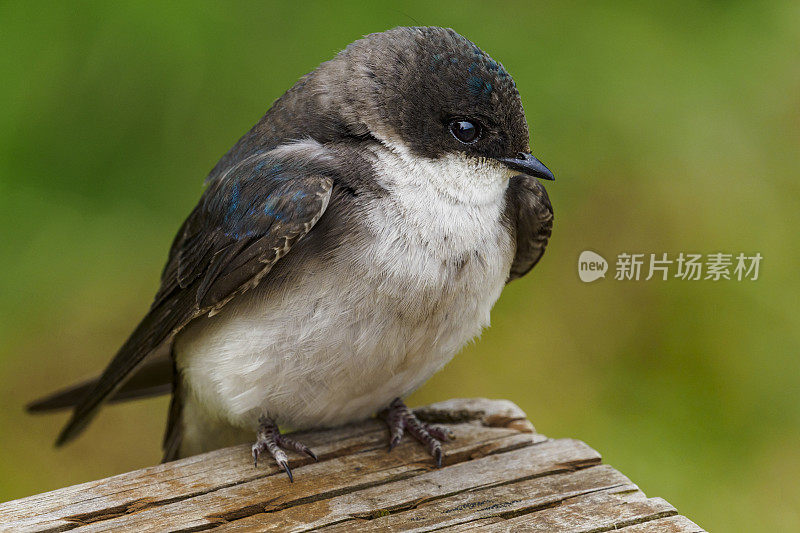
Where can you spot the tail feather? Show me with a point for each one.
(173, 436)
(154, 378)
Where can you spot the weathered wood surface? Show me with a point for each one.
(499, 475)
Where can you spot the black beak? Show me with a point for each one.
(527, 164)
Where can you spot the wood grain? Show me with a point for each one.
(499, 475)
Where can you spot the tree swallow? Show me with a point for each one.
(343, 251)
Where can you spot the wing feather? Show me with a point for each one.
(530, 216)
(245, 222)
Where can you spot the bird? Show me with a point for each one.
(343, 251)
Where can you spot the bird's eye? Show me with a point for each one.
(465, 131)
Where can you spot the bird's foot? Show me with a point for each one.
(400, 418)
(270, 440)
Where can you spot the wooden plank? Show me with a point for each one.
(587, 513)
(162, 485)
(545, 458)
(499, 475)
(523, 496)
(312, 482)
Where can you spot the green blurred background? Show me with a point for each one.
(670, 127)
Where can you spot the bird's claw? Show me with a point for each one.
(270, 440)
(438, 455)
(285, 466)
(400, 419)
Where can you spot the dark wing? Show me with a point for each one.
(245, 222)
(530, 217)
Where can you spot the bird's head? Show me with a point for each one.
(431, 91)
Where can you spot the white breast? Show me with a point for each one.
(381, 316)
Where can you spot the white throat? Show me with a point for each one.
(451, 205)
(455, 177)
